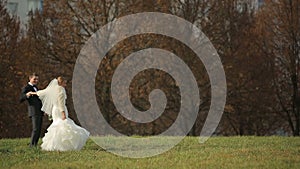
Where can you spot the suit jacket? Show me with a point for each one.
(34, 103)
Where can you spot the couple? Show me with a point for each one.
(63, 134)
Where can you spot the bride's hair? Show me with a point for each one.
(60, 80)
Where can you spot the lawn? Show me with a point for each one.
(217, 152)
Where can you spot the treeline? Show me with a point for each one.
(259, 49)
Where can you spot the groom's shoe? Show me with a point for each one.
(32, 145)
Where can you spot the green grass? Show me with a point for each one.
(217, 152)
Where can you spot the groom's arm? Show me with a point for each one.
(23, 95)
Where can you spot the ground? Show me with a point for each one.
(217, 152)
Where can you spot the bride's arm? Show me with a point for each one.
(61, 102)
(41, 92)
(38, 93)
(32, 93)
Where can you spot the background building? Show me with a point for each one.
(21, 8)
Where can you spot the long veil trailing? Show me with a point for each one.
(48, 96)
(63, 134)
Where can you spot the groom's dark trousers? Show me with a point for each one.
(34, 112)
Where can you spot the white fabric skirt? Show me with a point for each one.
(64, 135)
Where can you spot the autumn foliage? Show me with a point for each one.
(259, 49)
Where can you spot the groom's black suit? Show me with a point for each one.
(34, 112)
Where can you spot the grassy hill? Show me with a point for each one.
(217, 152)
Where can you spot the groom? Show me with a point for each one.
(34, 108)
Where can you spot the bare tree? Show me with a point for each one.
(281, 25)
(9, 38)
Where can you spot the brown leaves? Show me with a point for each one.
(246, 40)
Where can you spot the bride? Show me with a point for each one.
(63, 134)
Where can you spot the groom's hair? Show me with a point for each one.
(32, 75)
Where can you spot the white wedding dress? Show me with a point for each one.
(62, 135)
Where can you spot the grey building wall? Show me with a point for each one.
(21, 8)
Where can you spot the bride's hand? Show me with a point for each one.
(28, 94)
(31, 93)
(63, 115)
